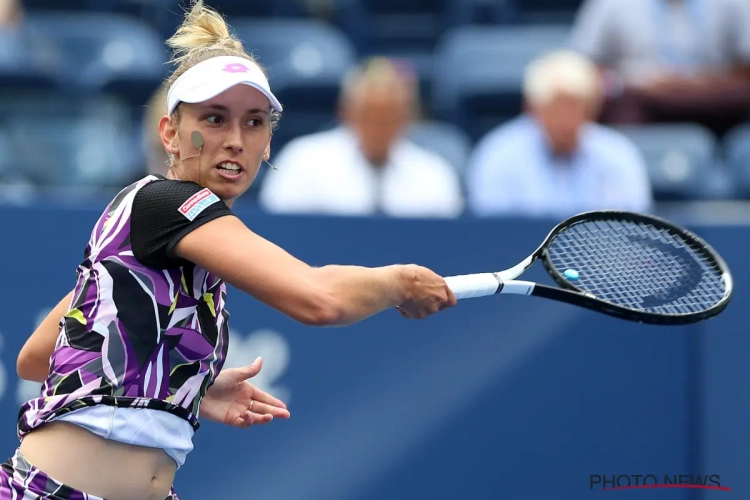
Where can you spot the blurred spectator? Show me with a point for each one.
(157, 161)
(365, 166)
(11, 29)
(670, 60)
(11, 14)
(21, 44)
(552, 160)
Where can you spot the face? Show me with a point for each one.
(236, 134)
(562, 119)
(378, 118)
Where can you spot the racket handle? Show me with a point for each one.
(469, 286)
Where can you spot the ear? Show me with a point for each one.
(168, 135)
(267, 153)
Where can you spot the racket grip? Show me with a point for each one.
(469, 286)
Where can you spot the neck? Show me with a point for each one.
(172, 175)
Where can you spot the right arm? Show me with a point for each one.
(212, 237)
(329, 295)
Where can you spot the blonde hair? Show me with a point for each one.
(158, 160)
(204, 35)
(561, 71)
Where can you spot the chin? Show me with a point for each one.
(228, 192)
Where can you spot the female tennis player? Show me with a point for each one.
(133, 355)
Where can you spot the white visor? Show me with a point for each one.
(211, 77)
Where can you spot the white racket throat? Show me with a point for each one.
(469, 286)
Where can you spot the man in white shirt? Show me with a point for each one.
(365, 166)
(553, 161)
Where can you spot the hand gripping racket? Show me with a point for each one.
(632, 266)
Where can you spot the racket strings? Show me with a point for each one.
(638, 266)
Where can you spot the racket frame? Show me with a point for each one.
(571, 294)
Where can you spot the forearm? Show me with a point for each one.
(322, 296)
(361, 292)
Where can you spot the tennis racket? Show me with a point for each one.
(632, 266)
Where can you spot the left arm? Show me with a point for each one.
(33, 360)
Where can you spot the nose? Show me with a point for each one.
(233, 138)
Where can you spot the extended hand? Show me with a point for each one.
(429, 294)
(232, 400)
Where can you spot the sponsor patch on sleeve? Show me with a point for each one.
(198, 203)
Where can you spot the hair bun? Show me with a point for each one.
(202, 28)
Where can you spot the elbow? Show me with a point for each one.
(28, 369)
(323, 310)
(24, 366)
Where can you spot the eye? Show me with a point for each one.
(255, 122)
(215, 119)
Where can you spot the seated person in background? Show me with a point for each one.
(366, 165)
(11, 14)
(16, 40)
(670, 60)
(552, 161)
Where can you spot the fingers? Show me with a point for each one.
(268, 409)
(263, 397)
(422, 311)
(452, 300)
(416, 314)
(248, 371)
(260, 414)
(431, 294)
(250, 418)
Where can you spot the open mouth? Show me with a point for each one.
(229, 168)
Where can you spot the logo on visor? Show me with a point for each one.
(236, 68)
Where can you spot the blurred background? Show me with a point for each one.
(450, 133)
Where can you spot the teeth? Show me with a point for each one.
(229, 166)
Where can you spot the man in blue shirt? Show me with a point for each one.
(553, 160)
(670, 60)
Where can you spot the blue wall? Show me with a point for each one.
(497, 398)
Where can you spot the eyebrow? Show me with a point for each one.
(221, 107)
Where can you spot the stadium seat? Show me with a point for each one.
(25, 60)
(306, 61)
(736, 147)
(682, 159)
(170, 13)
(403, 29)
(482, 12)
(6, 158)
(444, 139)
(478, 72)
(19, 74)
(96, 52)
(545, 11)
(245, 8)
(68, 5)
(387, 26)
(62, 141)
